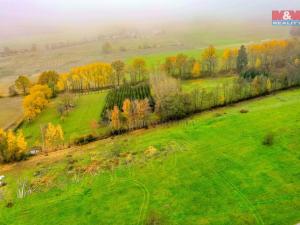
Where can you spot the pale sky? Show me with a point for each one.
(30, 14)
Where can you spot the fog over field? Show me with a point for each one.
(19, 19)
(68, 33)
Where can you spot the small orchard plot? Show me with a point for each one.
(117, 96)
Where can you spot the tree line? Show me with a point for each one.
(263, 68)
(262, 56)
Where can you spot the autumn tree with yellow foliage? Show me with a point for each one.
(53, 137)
(115, 123)
(13, 146)
(87, 78)
(268, 53)
(209, 59)
(128, 113)
(36, 101)
(196, 71)
(228, 59)
(134, 114)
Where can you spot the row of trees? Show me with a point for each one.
(171, 103)
(134, 114)
(100, 75)
(184, 67)
(13, 146)
(22, 83)
(89, 77)
(263, 56)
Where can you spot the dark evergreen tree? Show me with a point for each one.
(242, 59)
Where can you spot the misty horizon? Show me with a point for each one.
(32, 17)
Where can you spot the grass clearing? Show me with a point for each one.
(210, 170)
(207, 83)
(77, 123)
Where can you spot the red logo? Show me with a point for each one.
(286, 15)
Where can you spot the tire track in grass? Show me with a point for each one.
(240, 193)
(146, 194)
(243, 197)
(145, 203)
(111, 181)
(235, 189)
(186, 141)
(226, 180)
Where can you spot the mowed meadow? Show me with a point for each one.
(212, 168)
(77, 123)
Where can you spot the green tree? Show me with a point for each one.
(242, 59)
(22, 84)
(118, 67)
(181, 61)
(49, 78)
(139, 68)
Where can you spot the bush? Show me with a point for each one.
(175, 106)
(244, 111)
(85, 139)
(268, 139)
(154, 218)
(252, 73)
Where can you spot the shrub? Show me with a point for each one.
(268, 139)
(13, 147)
(85, 139)
(244, 111)
(150, 151)
(175, 106)
(252, 73)
(154, 218)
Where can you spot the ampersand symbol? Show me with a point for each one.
(286, 15)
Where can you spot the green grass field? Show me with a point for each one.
(88, 108)
(211, 168)
(207, 83)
